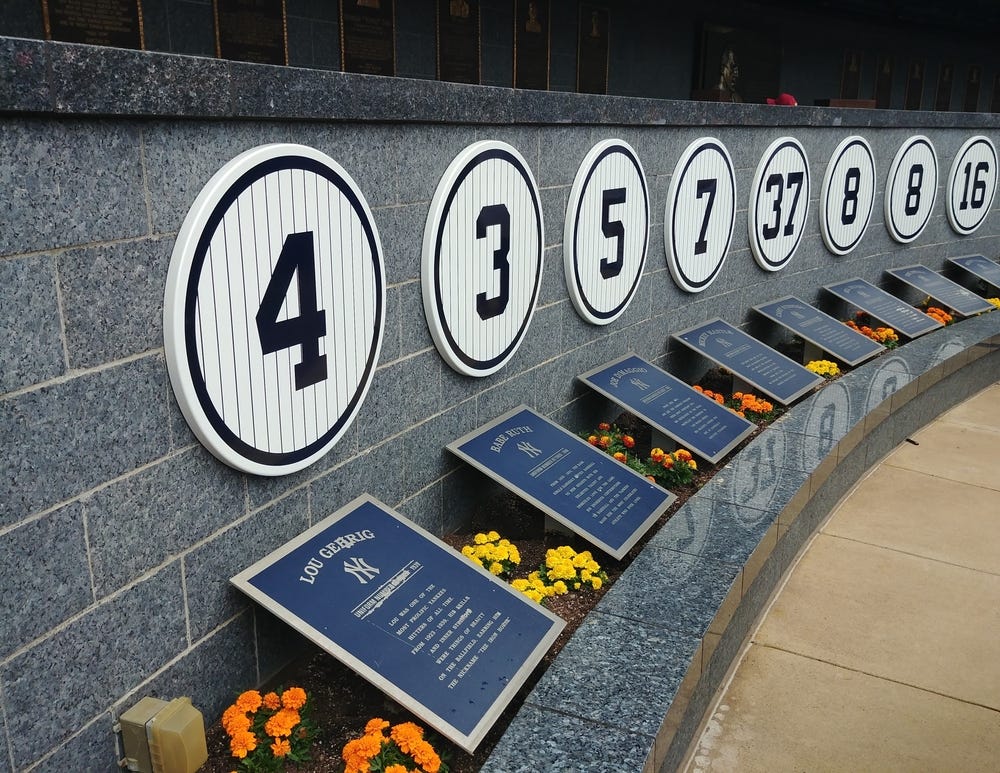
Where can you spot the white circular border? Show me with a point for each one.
(832, 166)
(952, 178)
(176, 292)
(890, 224)
(753, 204)
(461, 166)
(584, 175)
(676, 179)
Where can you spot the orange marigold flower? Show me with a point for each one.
(293, 698)
(697, 388)
(281, 747)
(668, 462)
(620, 456)
(628, 441)
(651, 479)
(592, 440)
(719, 399)
(272, 701)
(604, 442)
(242, 744)
(249, 701)
(376, 725)
(396, 768)
(683, 454)
(737, 395)
(604, 426)
(657, 454)
(235, 721)
(406, 735)
(280, 725)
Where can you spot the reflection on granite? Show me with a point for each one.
(606, 648)
(714, 529)
(119, 82)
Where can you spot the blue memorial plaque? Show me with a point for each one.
(591, 493)
(820, 329)
(885, 307)
(756, 363)
(437, 633)
(980, 267)
(949, 294)
(696, 422)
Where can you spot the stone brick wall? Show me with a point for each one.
(118, 531)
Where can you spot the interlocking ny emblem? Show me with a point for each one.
(638, 384)
(361, 569)
(529, 449)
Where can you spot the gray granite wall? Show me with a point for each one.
(118, 531)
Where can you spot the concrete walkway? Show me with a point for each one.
(881, 650)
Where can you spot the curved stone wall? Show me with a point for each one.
(111, 506)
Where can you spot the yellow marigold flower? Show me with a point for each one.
(492, 536)
(560, 587)
(620, 456)
(468, 551)
(519, 584)
(604, 442)
(994, 301)
(376, 725)
(595, 582)
(293, 698)
(496, 568)
(592, 440)
(249, 701)
(657, 454)
(271, 701)
(692, 464)
(480, 539)
(281, 747)
(534, 595)
(683, 454)
(242, 744)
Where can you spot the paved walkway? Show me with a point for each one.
(881, 650)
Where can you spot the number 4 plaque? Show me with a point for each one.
(274, 309)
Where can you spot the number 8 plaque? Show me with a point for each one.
(274, 309)
(848, 196)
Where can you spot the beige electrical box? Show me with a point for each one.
(162, 737)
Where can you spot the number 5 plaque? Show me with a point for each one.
(274, 309)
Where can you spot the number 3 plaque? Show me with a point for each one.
(274, 309)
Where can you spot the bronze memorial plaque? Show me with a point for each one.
(942, 98)
(592, 50)
(458, 41)
(368, 36)
(971, 104)
(251, 31)
(914, 86)
(883, 82)
(531, 44)
(115, 23)
(850, 76)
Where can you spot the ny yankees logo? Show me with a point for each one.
(529, 449)
(638, 384)
(361, 569)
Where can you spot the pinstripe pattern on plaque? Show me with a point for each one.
(283, 222)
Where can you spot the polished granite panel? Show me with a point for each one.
(667, 589)
(607, 648)
(536, 740)
(714, 529)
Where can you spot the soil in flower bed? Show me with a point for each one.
(342, 702)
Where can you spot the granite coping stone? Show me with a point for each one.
(75, 79)
(645, 635)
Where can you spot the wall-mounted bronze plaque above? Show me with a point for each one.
(972, 83)
(942, 98)
(883, 82)
(115, 23)
(251, 31)
(850, 76)
(458, 41)
(592, 50)
(995, 103)
(914, 86)
(368, 36)
(737, 65)
(531, 44)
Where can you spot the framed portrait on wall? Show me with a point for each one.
(942, 97)
(458, 41)
(368, 36)
(850, 75)
(995, 102)
(883, 81)
(251, 31)
(914, 85)
(531, 44)
(592, 50)
(737, 64)
(972, 85)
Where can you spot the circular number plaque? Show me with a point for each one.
(911, 189)
(700, 214)
(274, 309)
(482, 258)
(779, 203)
(606, 232)
(972, 184)
(848, 196)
